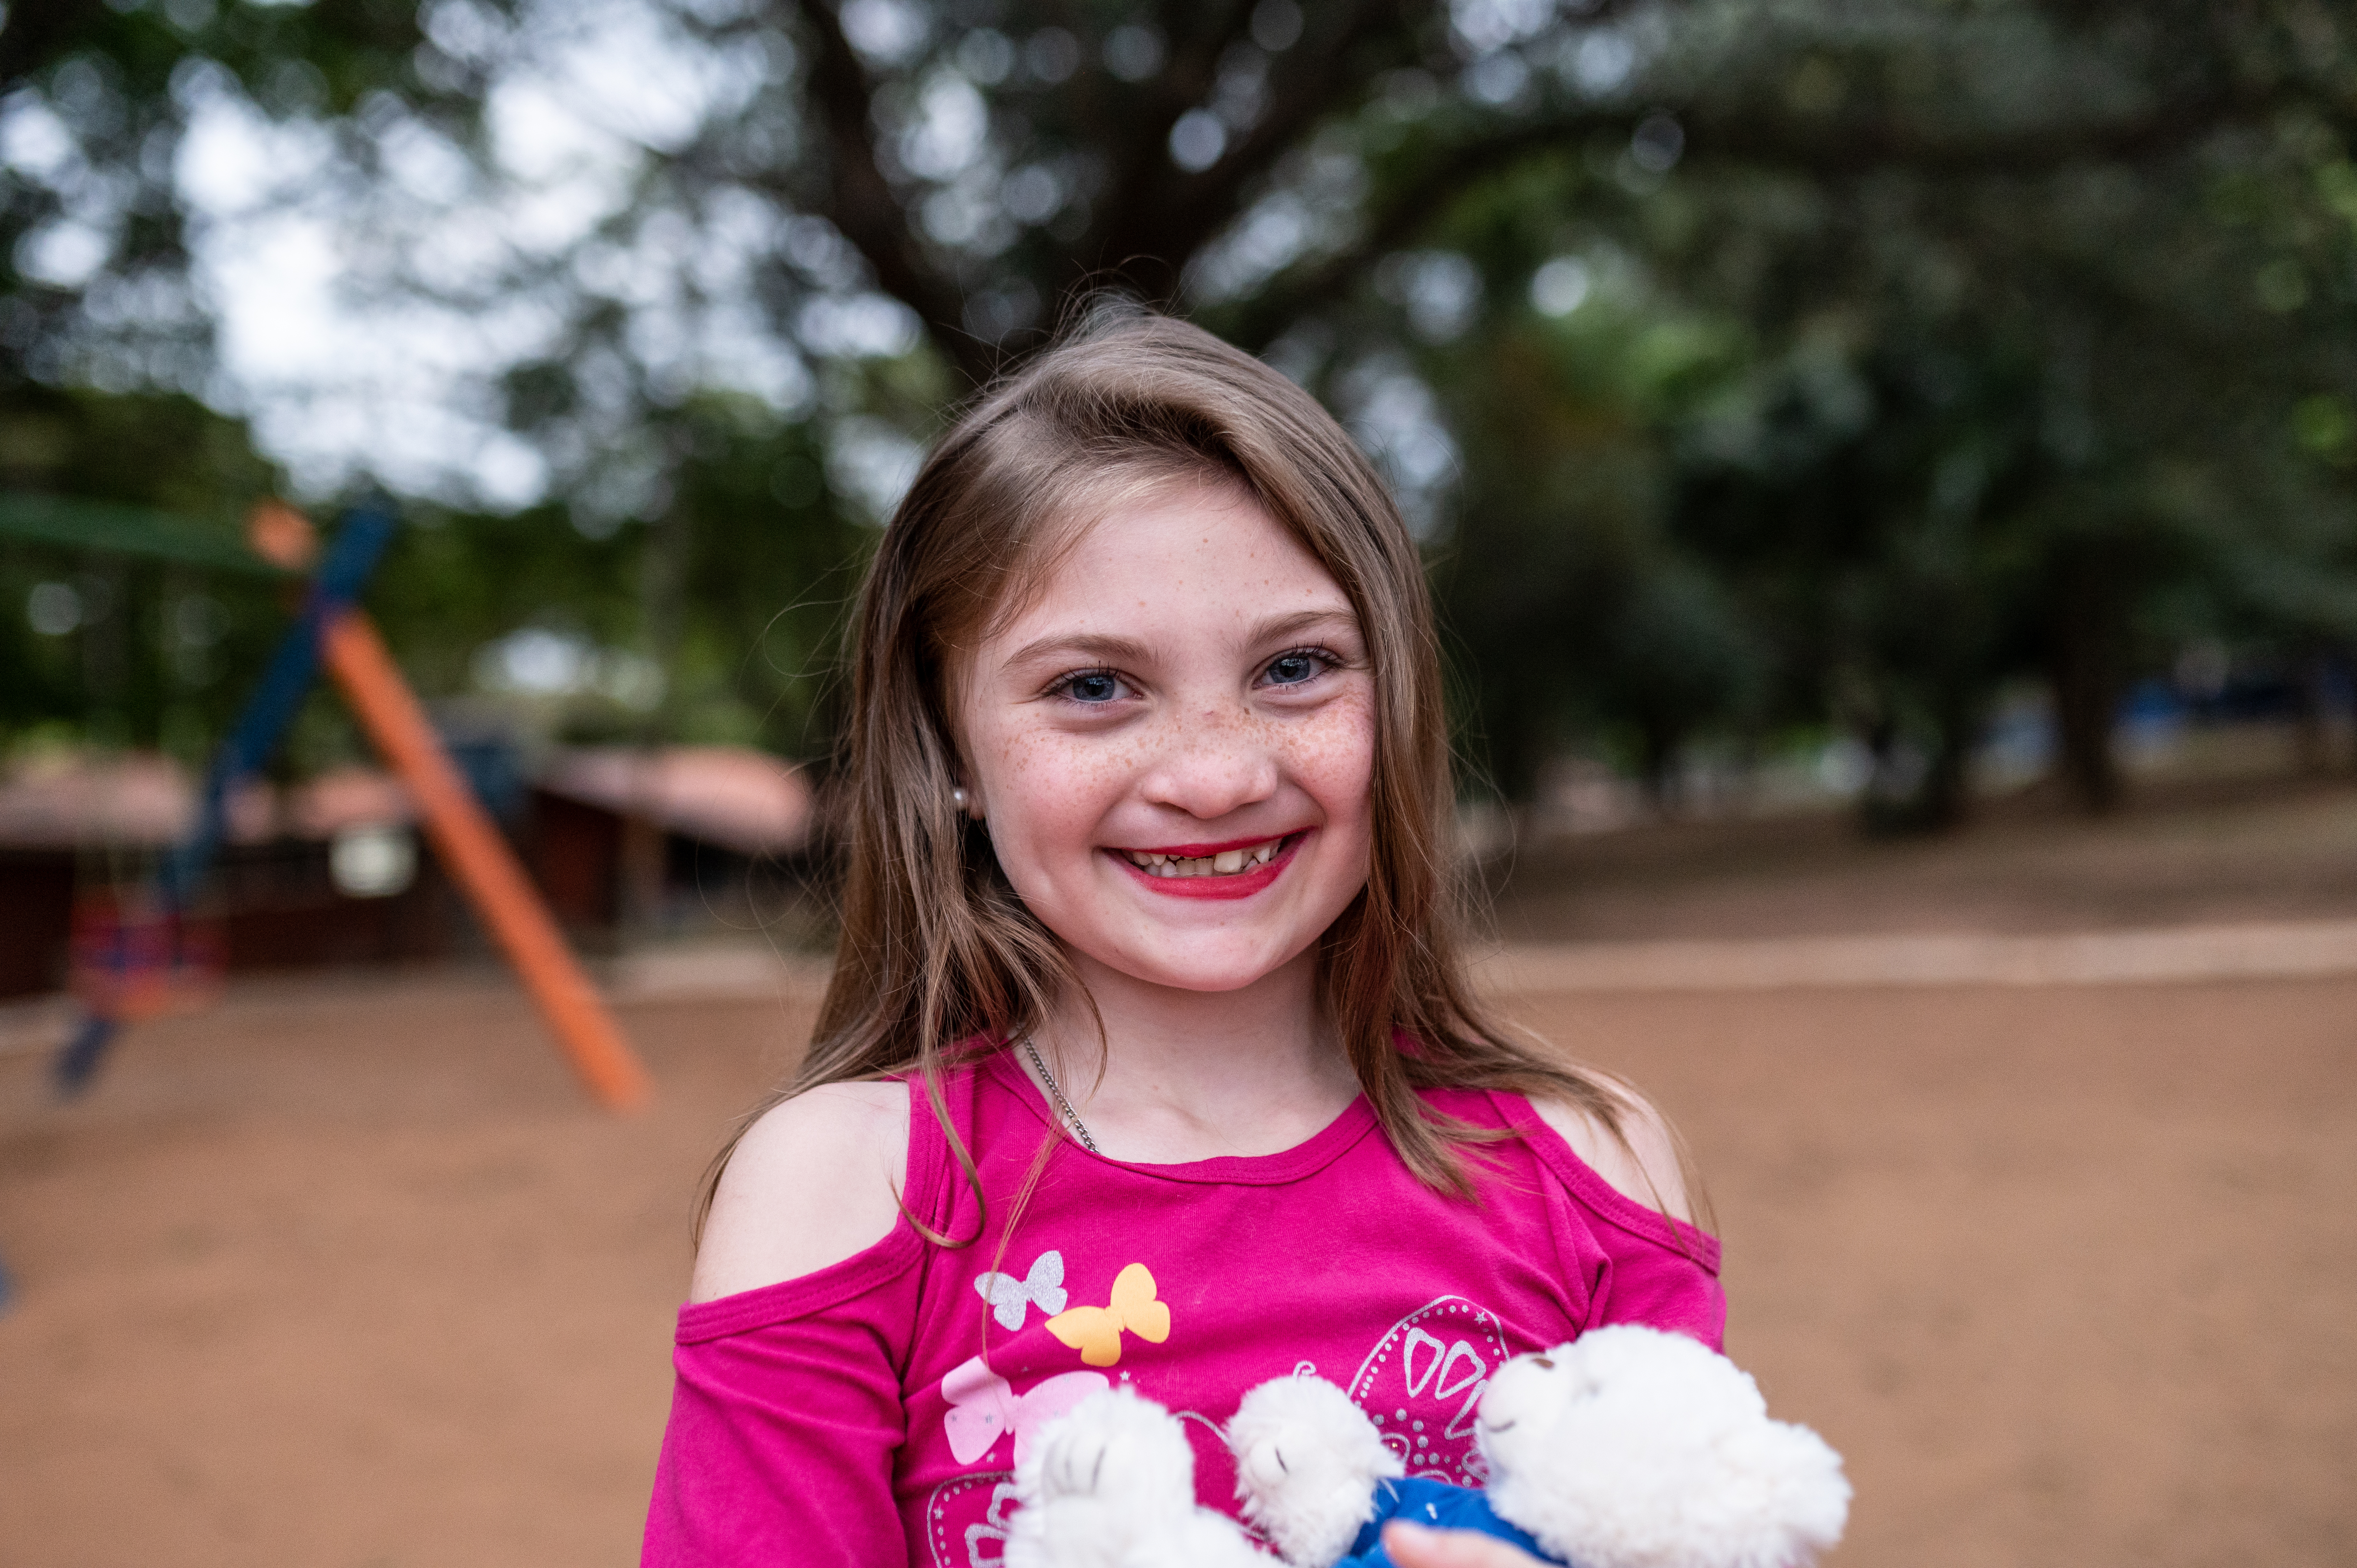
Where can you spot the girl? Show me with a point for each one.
(1148, 1056)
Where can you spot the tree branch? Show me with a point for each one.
(38, 35)
(1374, 34)
(1309, 91)
(1140, 178)
(1862, 148)
(864, 206)
(1412, 204)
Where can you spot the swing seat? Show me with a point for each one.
(131, 962)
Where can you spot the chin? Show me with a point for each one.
(1206, 978)
(1208, 972)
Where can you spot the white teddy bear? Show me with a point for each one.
(1111, 1484)
(1625, 1448)
(1633, 1449)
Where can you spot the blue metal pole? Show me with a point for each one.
(352, 556)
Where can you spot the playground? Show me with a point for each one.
(1883, 481)
(351, 1271)
(2031, 1147)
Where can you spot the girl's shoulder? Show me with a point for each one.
(1643, 1162)
(814, 1181)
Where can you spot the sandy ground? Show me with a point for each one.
(345, 1273)
(348, 1274)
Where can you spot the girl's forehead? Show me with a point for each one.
(1149, 565)
(1178, 538)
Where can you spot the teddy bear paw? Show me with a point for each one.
(1308, 1462)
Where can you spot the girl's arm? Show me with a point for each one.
(1664, 1268)
(814, 1181)
(787, 1414)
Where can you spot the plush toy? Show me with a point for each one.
(1111, 1484)
(1314, 1476)
(1627, 1448)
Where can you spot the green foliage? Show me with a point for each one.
(734, 590)
(119, 81)
(1803, 364)
(771, 557)
(136, 651)
(737, 590)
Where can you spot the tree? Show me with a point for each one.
(2079, 261)
(135, 650)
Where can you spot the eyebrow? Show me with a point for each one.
(1106, 650)
(1128, 650)
(1300, 621)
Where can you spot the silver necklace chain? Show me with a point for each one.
(1056, 1093)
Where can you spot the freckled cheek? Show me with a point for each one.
(1048, 791)
(1333, 758)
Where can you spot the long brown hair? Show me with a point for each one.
(936, 953)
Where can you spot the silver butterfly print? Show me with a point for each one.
(1009, 1297)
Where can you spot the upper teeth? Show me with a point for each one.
(1227, 863)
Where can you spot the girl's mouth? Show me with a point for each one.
(1236, 870)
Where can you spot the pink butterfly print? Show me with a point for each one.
(982, 1407)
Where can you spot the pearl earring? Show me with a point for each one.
(957, 799)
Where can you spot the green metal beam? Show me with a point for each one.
(114, 530)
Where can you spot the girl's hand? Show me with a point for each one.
(1413, 1546)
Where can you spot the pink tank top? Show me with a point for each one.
(871, 1413)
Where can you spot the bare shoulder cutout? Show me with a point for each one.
(1646, 1168)
(814, 1181)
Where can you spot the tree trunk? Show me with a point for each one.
(1514, 751)
(2314, 724)
(663, 604)
(1947, 782)
(1939, 798)
(2083, 668)
(1659, 744)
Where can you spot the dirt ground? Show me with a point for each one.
(345, 1273)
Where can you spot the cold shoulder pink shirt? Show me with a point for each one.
(871, 1413)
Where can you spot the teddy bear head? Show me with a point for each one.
(1634, 1448)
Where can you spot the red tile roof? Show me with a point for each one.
(730, 796)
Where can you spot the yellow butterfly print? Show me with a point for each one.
(1095, 1331)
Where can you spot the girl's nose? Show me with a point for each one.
(1211, 761)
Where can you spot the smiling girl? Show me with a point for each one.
(1148, 1057)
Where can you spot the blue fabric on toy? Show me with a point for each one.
(1439, 1505)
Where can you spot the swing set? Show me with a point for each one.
(153, 952)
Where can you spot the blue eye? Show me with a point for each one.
(1092, 686)
(1292, 669)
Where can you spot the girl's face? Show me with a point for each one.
(1172, 744)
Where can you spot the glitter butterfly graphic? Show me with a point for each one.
(1010, 1298)
(1095, 1331)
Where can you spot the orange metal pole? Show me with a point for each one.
(481, 863)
